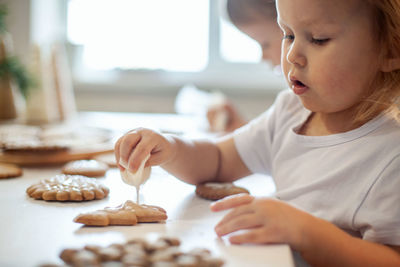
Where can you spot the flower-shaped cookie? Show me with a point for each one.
(68, 188)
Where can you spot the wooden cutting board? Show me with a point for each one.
(85, 143)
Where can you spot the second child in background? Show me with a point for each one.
(257, 19)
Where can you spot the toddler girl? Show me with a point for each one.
(331, 142)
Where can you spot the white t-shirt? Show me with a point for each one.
(351, 179)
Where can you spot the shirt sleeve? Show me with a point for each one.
(254, 140)
(378, 216)
(252, 144)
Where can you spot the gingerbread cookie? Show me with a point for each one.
(164, 251)
(9, 170)
(215, 191)
(68, 188)
(90, 168)
(129, 213)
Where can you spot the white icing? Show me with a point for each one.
(139, 177)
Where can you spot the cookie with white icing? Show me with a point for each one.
(90, 168)
(108, 158)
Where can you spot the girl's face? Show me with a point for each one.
(329, 53)
(267, 34)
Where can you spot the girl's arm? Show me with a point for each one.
(200, 161)
(324, 244)
(268, 221)
(191, 161)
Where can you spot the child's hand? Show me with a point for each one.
(265, 220)
(234, 120)
(133, 147)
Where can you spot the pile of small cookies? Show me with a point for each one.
(140, 253)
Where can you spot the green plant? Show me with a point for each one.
(11, 65)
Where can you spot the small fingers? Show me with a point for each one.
(141, 151)
(252, 236)
(228, 107)
(135, 146)
(231, 202)
(241, 222)
(235, 213)
(125, 145)
(117, 154)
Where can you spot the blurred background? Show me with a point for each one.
(136, 55)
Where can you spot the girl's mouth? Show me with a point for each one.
(297, 86)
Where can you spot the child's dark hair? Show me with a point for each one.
(385, 90)
(246, 11)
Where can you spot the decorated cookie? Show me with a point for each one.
(108, 158)
(90, 168)
(8, 170)
(129, 213)
(215, 191)
(68, 188)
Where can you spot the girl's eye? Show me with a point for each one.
(319, 41)
(289, 37)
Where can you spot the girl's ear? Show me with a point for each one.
(391, 64)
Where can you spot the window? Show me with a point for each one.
(141, 34)
(144, 43)
(236, 46)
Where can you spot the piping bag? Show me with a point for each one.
(137, 178)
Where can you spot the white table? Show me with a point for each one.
(34, 232)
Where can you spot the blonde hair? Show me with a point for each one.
(385, 89)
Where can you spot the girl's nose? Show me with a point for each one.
(295, 55)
